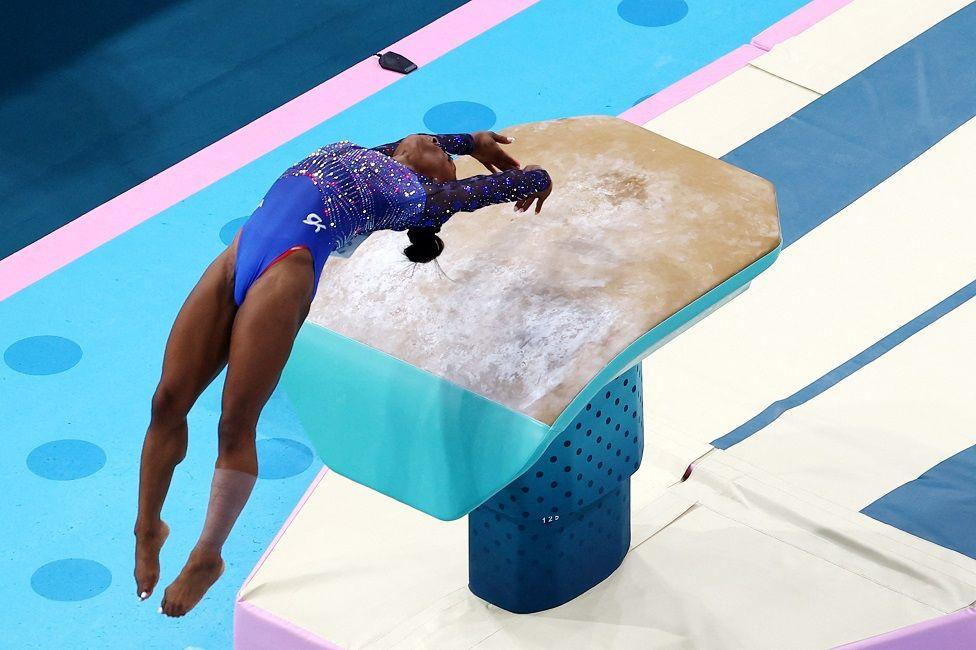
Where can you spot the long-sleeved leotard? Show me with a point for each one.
(469, 194)
(356, 191)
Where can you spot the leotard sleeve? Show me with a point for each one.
(469, 194)
(458, 144)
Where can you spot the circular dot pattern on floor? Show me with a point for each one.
(71, 579)
(42, 355)
(459, 117)
(652, 13)
(66, 460)
(229, 230)
(281, 458)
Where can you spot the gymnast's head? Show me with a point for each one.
(424, 246)
(422, 154)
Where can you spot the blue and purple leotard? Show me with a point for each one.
(343, 191)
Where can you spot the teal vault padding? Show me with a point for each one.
(426, 441)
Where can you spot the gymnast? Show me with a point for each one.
(246, 309)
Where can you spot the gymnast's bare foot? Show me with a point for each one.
(201, 571)
(149, 540)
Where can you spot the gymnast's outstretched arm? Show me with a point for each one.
(521, 186)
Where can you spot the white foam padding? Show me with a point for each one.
(731, 111)
(849, 40)
(886, 258)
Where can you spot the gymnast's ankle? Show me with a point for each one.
(205, 554)
(149, 529)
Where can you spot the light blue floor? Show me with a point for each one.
(66, 564)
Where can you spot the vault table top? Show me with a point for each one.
(530, 308)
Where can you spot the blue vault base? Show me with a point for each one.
(564, 525)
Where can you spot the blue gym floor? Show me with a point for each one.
(82, 347)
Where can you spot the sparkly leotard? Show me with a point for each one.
(343, 190)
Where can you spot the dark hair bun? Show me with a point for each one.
(424, 246)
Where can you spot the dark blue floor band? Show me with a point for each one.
(824, 158)
(939, 506)
(850, 140)
(846, 143)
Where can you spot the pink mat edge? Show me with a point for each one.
(666, 99)
(172, 185)
(951, 631)
(689, 86)
(258, 629)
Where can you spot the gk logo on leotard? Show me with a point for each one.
(314, 220)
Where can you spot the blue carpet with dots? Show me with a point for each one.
(82, 347)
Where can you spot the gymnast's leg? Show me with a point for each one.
(195, 353)
(261, 341)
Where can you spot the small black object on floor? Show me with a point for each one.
(396, 62)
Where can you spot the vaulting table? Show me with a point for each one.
(506, 385)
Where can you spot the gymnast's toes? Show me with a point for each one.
(149, 541)
(194, 581)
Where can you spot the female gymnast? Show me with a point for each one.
(246, 310)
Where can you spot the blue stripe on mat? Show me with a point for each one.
(939, 506)
(846, 369)
(850, 140)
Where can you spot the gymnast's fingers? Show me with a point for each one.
(508, 162)
(538, 205)
(505, 162)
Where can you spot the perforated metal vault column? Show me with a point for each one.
(564, 525)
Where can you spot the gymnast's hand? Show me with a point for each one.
(540, 196)
(488, 151)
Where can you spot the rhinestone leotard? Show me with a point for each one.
(343, 190)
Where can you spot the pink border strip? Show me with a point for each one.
(798, 21)
(691, 85)
(956, 631)
(257, 629)
(172, 185)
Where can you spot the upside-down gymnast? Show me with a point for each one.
(246, 310)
